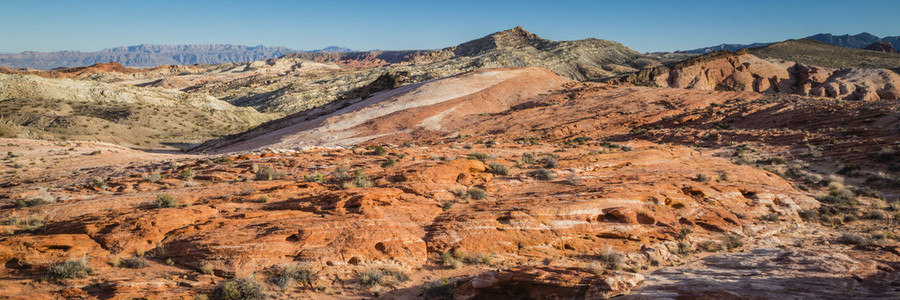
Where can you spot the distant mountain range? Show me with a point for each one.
(146, 55)
(849, 41)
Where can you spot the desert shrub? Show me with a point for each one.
(481, 259)
(295, 273)
(498, 169)
(246, 288)
(808, 214)
(733, 241)
(527, 158)
(460, 192)
(769, 217)
(135, 262)
(710, 246)
(476, 193)
(683, 233)
(573, 179)
(446, 205)
(453, 259)
(895, 205)
(772, 161)
(389, 162)
(360, 180)
(99, 183)
(479, 156)
(265, 173)
(701, 177)
(723, 176)
(382, 276)
(207, 269)
(29, 203)
(853, 239)
(440, 289)
(165, 201)
(542, 174)
(886, 154)
(684, 247)
(868, 192)
(611, 258)
(315, 177)
(551, 162)
(75, 268)
(263, 199)
(884, 235)
(187, 174)
(153, 177)
(379, 150)
(850, 170)
(876, 214)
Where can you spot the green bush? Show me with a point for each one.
(379, 150)
(360, 180)
(246, 288)
(165, 201)
(76, 268)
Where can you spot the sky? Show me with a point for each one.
(645, 26)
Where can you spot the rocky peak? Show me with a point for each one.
(510, 38)
(881, 46)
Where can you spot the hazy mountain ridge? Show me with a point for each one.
(148, 55)
(850, 41)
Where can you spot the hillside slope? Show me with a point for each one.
(429, 108)
(36, 107)
(815, 53)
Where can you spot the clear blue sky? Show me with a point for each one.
(425, 24)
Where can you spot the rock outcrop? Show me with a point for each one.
(881, 46)
(742, 71)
